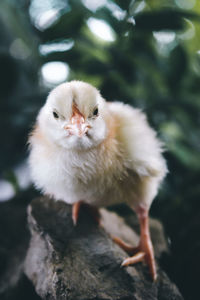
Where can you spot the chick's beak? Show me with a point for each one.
(78, 125)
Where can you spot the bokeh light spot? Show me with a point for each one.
(164, 37)
(19, 50)
(7, 190)
(54, 72)
(46, 19)
(47, 48)
(93, 5)
(101, 29)
(185, 4)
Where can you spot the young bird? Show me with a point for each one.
(84, 149)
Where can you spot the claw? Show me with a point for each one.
(134, 259)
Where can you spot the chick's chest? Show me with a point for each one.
(91, 175)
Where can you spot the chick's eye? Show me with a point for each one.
(55, 115)
(95, 112)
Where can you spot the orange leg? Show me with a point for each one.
(75, 211)
(94, 212)
(144, 251)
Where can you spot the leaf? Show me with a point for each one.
(124, 4)
(163, 20)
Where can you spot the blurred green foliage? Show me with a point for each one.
(153, 62)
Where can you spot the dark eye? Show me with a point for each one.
(95, 112)
(55, 115)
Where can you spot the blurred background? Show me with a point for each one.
(145, 53)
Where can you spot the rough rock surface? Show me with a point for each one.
(82, 262)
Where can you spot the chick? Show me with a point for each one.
(84, 149)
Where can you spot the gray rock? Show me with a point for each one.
(82, 262)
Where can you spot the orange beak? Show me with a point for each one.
(78, 125)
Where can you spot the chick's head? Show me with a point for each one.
(74, 116)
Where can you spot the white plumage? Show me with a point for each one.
(84, 148)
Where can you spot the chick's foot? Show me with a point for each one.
(93, 211)
(125, 246)
(144, 251)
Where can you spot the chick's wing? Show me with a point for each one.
(139, 141)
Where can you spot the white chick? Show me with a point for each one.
(86, 149)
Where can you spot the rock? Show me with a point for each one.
(82, 262)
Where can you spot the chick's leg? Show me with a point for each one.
(144, 251)
(75, 211)
(93, 211)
